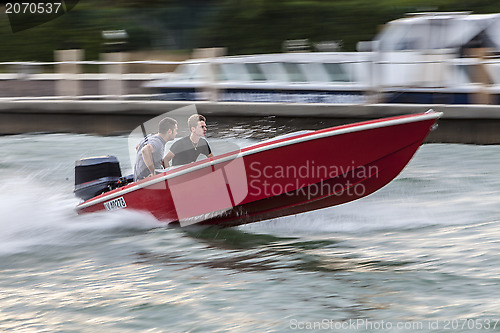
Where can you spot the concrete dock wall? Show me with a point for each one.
(476, 124)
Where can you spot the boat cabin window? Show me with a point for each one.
(494, 71)
(189, 72)
(255, 72)
(468, 73)
(337, 72)
(423, 33)
(465, 73)
(275, 71)
(397, 36)
(220, 74)
(233, 72)
(315, 72)
(294, 72)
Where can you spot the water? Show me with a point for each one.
(419, 255)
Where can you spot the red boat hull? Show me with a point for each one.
(279, 177)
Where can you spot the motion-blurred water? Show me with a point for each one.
(422, 254)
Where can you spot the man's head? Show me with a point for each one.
(168, 128)
(197, 125)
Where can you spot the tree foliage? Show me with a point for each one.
(243, 26)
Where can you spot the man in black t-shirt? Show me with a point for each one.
(187, 149)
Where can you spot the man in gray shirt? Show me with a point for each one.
(151, 149)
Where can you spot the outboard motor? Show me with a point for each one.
(96, 175)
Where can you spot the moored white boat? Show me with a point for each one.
(425, 58)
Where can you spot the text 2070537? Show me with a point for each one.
(33, 7)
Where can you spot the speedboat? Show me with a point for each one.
(286, 175)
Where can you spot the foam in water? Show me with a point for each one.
(33, 213)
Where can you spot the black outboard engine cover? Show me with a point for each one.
(96, 175)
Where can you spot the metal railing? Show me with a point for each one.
(75, 80)
(114, 79)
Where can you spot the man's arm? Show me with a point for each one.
(207, 151)
(209, 155)
(167, 159)
(147, 156)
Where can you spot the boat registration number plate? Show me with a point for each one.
(115, 204)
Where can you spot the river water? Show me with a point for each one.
(420, 255)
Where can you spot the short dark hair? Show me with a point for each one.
(194, 119)
(166, 124)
